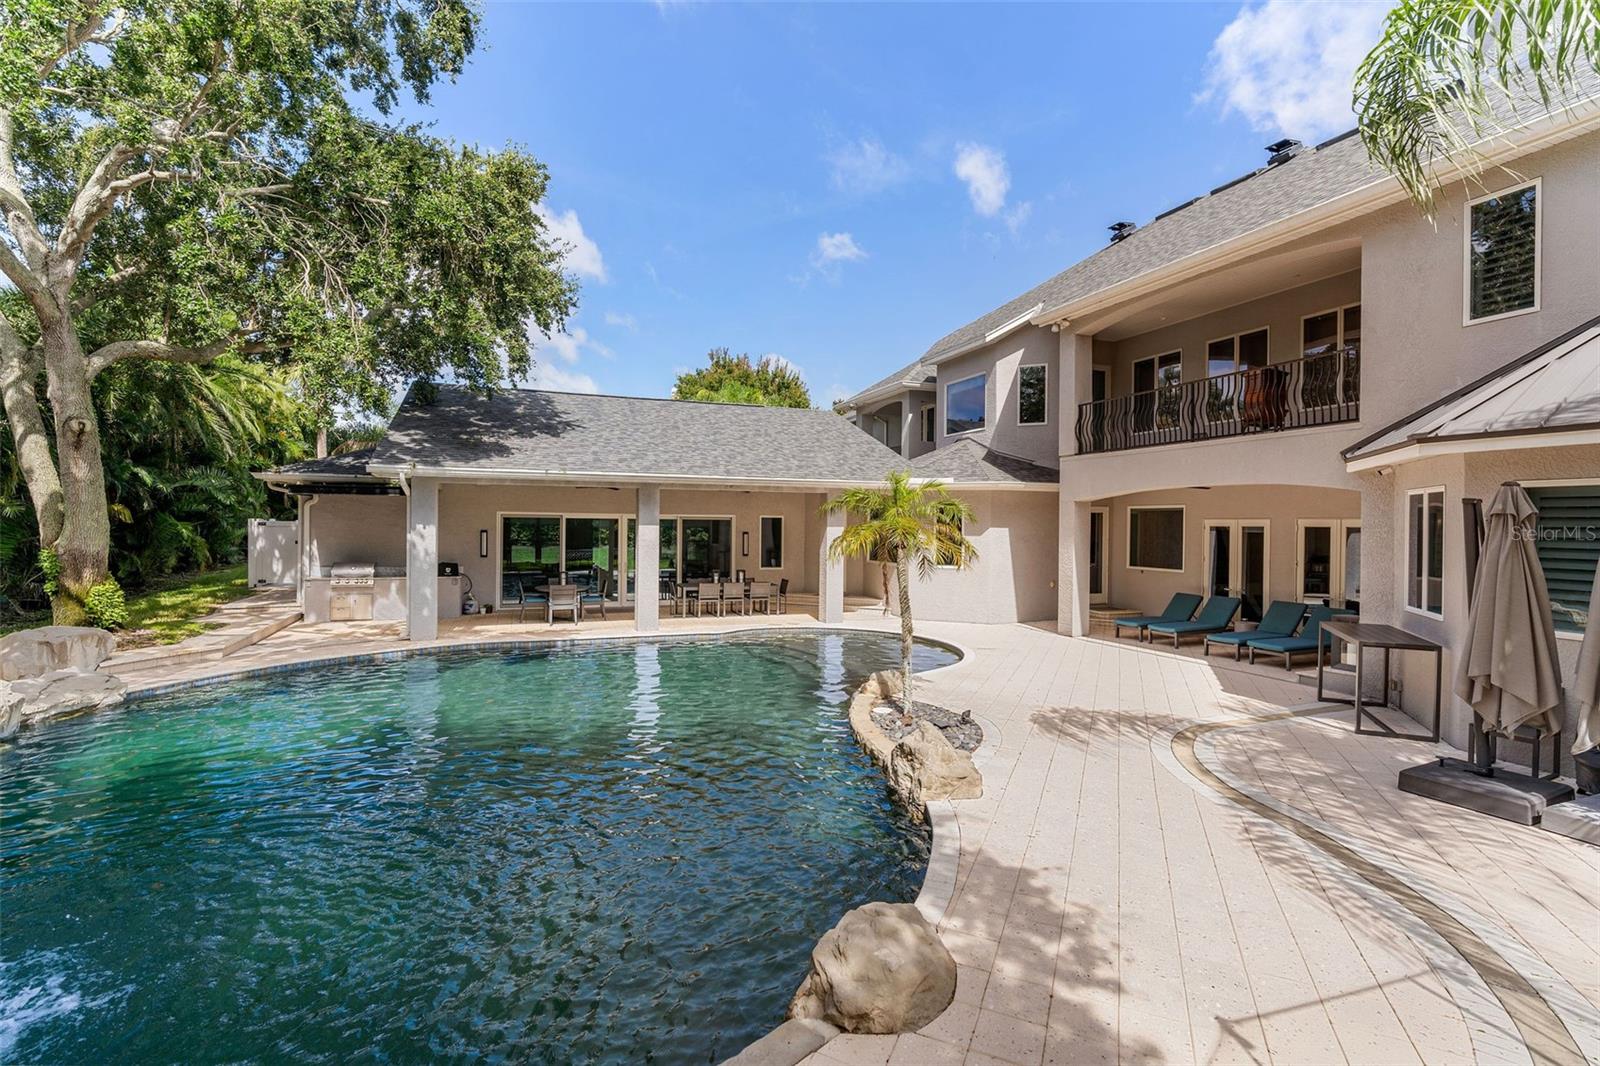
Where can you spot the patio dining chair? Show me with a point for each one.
(733, 597)
(760, 593)
(597, 598)
(563, 599)
(708, 596)
(524, 597)
(783, 596)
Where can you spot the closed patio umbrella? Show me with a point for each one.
(1587, 683)
(1507, 668)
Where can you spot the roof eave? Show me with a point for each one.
(410, 471)
(1418, 448)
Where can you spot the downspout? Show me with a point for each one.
(306, 503)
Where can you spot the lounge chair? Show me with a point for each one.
(563, 600)
(1281, 620)
(1214, 617)
(1304, 644)
(597, 598)
(1180, 608)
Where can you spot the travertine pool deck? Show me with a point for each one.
(1180, 860)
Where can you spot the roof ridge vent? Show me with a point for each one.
(1121, 231)
(1283, 151)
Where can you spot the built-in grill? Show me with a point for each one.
(350, 592)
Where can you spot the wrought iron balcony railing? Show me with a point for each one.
(1319, 390)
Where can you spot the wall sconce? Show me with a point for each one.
(483, 544)
(744, 543)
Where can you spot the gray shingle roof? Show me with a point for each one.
(968, 461)
(560, 434)
(1553, 388)
(917, 375)
(352, 463)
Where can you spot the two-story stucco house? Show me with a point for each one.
(1284, 389)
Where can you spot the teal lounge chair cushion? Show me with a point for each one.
(1179, 609)
(1216, 615)
(1306, 641)
(1281, 620)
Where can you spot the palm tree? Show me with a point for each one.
(902, 524)
(1439, 81)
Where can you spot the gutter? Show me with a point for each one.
(412, 471)
(1550, 129)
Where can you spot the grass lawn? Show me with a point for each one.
(167, 611)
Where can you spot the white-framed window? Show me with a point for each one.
(1501, 273)
(965, 403)
(1425, 551)
(1155, 538)
(1568, 547)
(1033, 390)
(771, 542)
(1242, 351)
(930, 427)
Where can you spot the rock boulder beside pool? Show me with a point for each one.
(45, 649)
(50, 671)
(882, 969)
(924, 766)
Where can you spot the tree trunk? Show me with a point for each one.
(83, 545)
(885, 568)
(902, 576)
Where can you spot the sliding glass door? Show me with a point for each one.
(592, 556)
(530, 554)
(707, 548)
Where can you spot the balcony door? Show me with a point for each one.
(1328, 562)
(1237, 562)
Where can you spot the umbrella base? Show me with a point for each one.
(1512, 796)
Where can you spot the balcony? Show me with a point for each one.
(1320, 390)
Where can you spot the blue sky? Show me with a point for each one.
(842, 185)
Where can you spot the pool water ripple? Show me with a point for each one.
(616, 853)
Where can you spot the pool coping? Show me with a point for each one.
(792, 1040)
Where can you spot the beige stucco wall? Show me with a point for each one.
(1281, 507)
(1014, 576)
(1384, 546)
(356, 529)
(1001, 360)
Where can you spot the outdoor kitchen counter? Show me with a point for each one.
(388, 598)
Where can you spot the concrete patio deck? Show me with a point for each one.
(1179, 859)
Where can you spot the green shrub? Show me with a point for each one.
(106, 606)
(50, 566)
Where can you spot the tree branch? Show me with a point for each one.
(18, 212)
(117, 351)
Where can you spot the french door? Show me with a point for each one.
(1099, 586)
(1238, 562)
(1328, 561)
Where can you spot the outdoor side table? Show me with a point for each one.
(1390, 639)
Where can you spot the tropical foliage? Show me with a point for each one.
(906, 525)
(770, 382)
(182, 180)
(1440, 81)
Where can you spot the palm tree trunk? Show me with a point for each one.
(902, 577)
(885, 568)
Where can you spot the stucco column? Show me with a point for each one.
(908, 428)
(1072, 577)
(422, 560)
(647, 561)
(830, 571)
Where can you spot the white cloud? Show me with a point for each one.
(835, 248)
(865, 166)
(787, 364)
(546, 376)
(622, 320)
(556, 358)
(988, 180)
(583, 255)
(1287, 66)
(1018, 216)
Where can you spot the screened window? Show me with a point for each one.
(929, 426)
(1032, 385)
(771, 542)
(1425, 551)
(1503, 253)
(1155, 538)
(964, 404)
(1569, 550)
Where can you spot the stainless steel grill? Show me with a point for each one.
(350, 588)
(352, 576)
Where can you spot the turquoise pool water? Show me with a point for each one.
(608, 854)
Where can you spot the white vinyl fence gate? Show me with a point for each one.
(274, 552)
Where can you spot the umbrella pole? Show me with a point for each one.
(1481, 746)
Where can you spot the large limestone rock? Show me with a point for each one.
(36, 652)
(10, 710)
(58, 693)
(882, 969)
(925, 766)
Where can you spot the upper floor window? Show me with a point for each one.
(1333, 339)
(1502, 270)
(929, 426)
(964, 404)
(1151, 411)
(1242, 351)
(1032, 388)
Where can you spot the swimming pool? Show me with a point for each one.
(616, 853)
